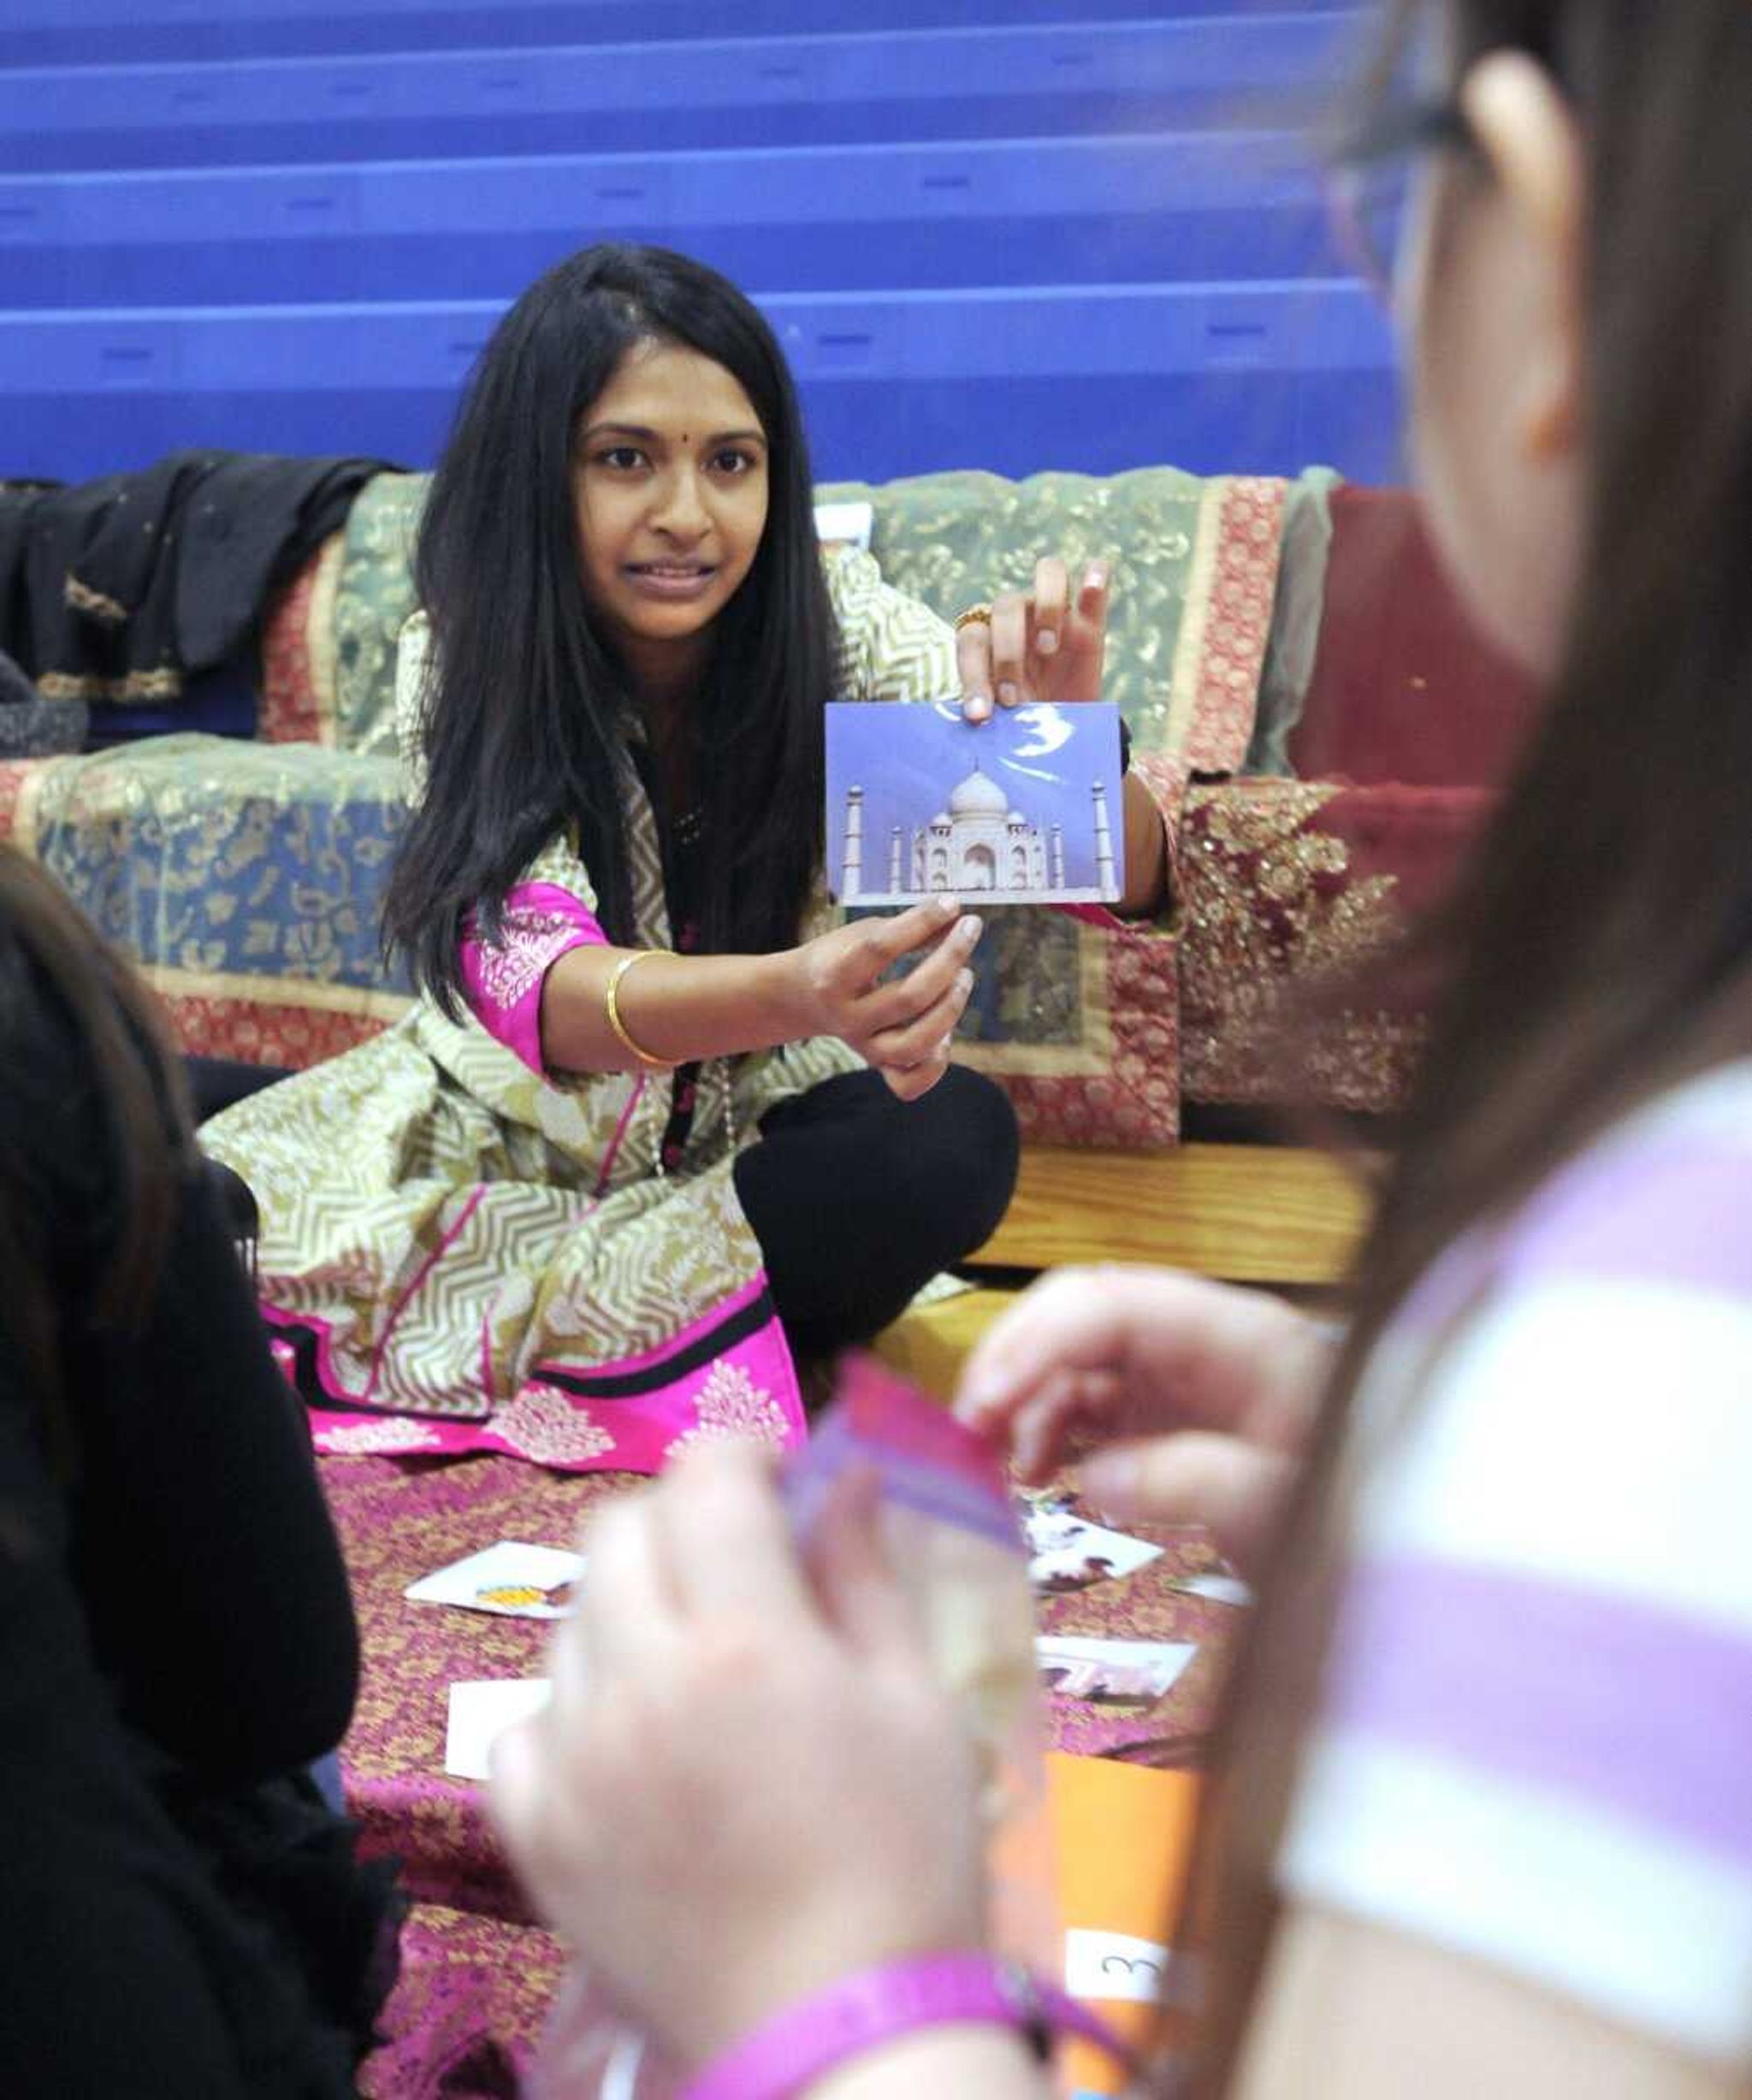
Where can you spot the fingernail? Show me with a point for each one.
(1046, 642)
(970, 928)
(1096, 578)
(977, 706)
(947, 907)
(1006, 695)
(964, 984)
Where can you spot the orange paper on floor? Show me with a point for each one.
(1123, 1834)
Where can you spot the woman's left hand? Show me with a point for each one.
(748, 1783)
(1043, 645)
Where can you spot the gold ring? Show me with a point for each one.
(975, 615)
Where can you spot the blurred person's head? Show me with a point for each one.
(1573, 279)
(1574, 291)
(1570, 211)
(59, 981)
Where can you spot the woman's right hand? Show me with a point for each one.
(903, 1027)
(1197, 1396)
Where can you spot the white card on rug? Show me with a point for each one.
(514, 1580)
(1069, 1552)
(479, 1712)
(1223, 1589)
(1086, 1668)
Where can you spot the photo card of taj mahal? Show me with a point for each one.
(1023, 808)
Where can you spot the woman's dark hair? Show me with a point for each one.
(60, 982)
(525, 705)
(1596, 949)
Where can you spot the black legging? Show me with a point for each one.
(214, 1083)
(858, 1198)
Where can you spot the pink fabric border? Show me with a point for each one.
(748, 1390)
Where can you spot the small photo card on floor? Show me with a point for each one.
(1067, 1552)
(514, 1580)
(1084, 1668)
(1220, 1586)
(479, 1712)
(1024, 808)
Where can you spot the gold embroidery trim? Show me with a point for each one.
(1195, 611)
(83, 599)
(1242, 983)
(163, 685)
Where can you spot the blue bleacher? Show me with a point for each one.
(1008, 81)
(43, 32)
(1165, 209)
(1211, 377)
(1010, 235)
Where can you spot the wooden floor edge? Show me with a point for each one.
(1251, 1213)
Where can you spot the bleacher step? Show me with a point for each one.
(1012, 79)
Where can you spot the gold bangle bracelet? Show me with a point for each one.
(975, 615)
(611, 1006)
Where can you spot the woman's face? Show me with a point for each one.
(1489, 299)
(669, 498)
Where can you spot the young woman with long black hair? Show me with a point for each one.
(648, 1129)
(1484, 1822)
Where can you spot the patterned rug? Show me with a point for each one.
(476, 1973)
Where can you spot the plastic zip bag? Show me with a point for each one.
(953, 1539)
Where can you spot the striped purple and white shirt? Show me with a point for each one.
(1536, 1743)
